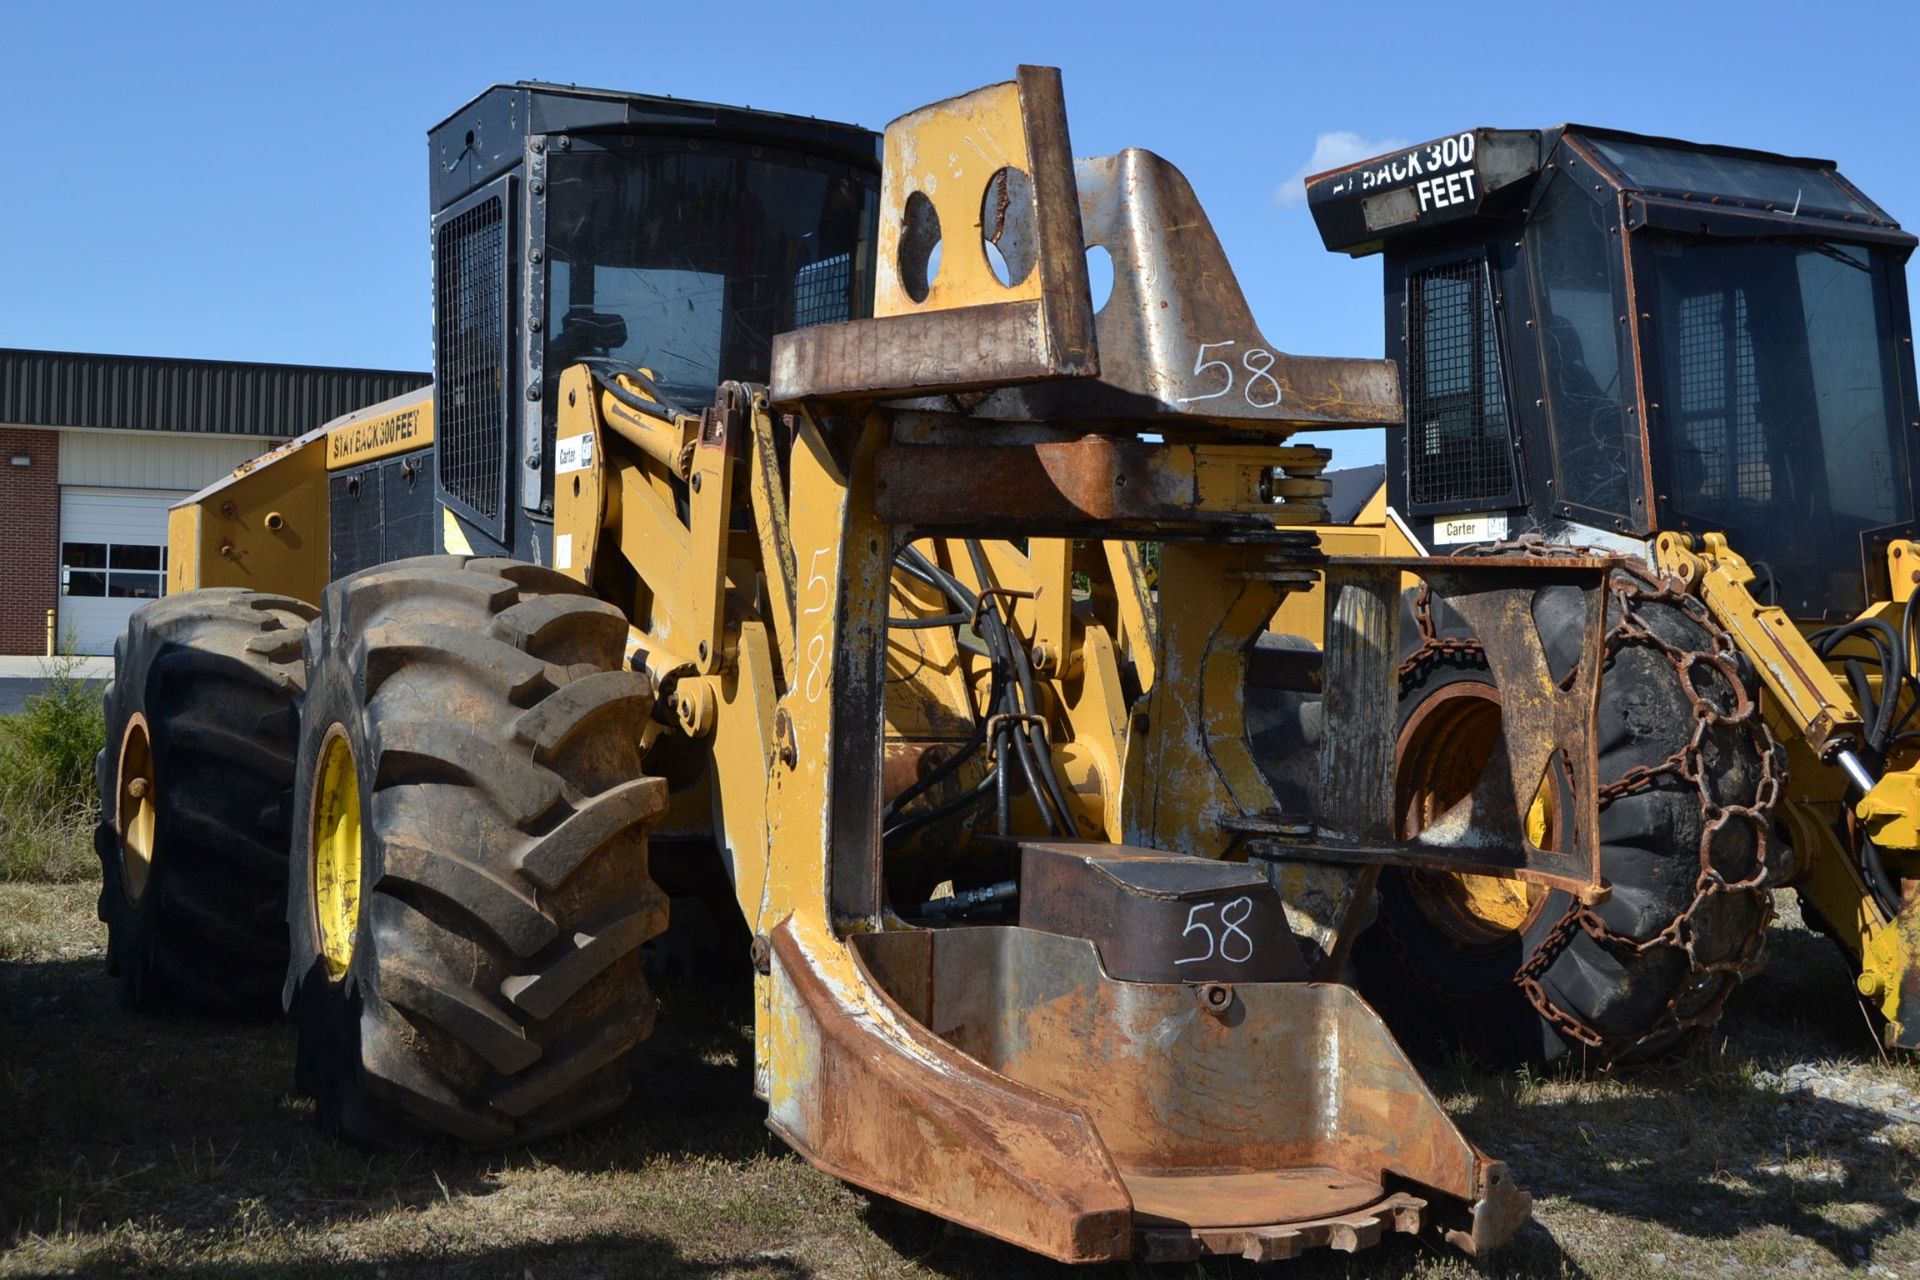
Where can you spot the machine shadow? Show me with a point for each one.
(1721, 1181)
(1708, 1146)
(598, 1254)
(959, 1254)
(112, 1117)
(109, 1116)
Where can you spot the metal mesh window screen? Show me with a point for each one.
(470, 273)
(822, 292)
(1459, 435)
(1718, 390)
(1703, 403)
(1749, 437)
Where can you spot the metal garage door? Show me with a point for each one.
(112, 557)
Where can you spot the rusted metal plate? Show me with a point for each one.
(1547, 723)
(1177, 339)
(1088, 485)
(1271, 1121)
(1413, 856)
(1160, 917)
(1348, 1231)
(872, 1096)
(1356, 760)
(1096, 478)
(965, 349)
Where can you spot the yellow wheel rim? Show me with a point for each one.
(1442, 752)
(135, 813)
(336, 853)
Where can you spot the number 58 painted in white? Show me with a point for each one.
(1231, 939)
(1258, 362)
(815, 681)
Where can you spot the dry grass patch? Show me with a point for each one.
(44, 923)
(47, 803)
(178, 1148)
(45, 838)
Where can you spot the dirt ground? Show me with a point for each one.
(132, 1145)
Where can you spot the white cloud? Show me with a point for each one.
(1330, 151)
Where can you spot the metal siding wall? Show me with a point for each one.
(71, 389)
(130, 460)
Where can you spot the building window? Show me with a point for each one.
(126, 571)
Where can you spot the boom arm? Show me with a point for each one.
(824, 579)
(1843, 878)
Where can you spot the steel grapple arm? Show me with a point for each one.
(895, 608)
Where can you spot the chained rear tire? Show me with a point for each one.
(471, 888)
(193, 781)
(1690, 864)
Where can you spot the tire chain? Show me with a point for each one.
(1685, 764)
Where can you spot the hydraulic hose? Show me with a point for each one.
(1011, 692)
(1872, 866)
(958, 804)
(1034, 756)
(926, 571)
(1887, 645)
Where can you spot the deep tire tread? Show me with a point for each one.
(496, 983)
(216, 673)
(1625, 988)
(393, 646)
(578, 708)
(556, 856)
(497, 902)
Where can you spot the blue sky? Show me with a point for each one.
(249, 181)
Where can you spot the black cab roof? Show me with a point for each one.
(1490, 173)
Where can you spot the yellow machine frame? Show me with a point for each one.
(1816, 719)
(1016, 446)
(265, 526)
(764, 639)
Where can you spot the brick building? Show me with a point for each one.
(95, 448)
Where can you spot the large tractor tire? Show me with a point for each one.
(1688, 774)
(471, 888)
(193, 786)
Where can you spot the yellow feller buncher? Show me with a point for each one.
(453, 703)
(1699, 359)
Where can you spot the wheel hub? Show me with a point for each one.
(136, 813)
(336, 853)
(1443, 750)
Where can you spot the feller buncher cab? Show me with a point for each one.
(777, 503)
(581, 227)
(1699, 358)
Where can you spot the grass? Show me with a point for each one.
(132, 1145)
(44, 839)
(47, 802)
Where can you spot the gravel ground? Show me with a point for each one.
(1803, 1083)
